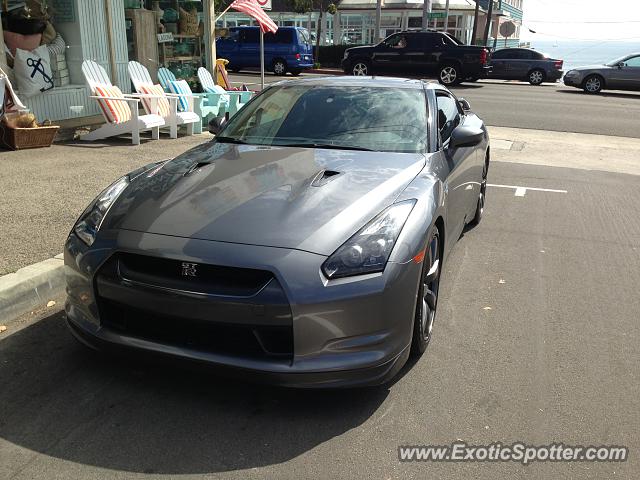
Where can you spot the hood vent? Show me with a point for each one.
(323, 177)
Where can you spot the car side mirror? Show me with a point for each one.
(463, 136)
(215, 124)
(621, 64)
(464, 104)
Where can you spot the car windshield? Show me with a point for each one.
(617, 61)
(350, 117)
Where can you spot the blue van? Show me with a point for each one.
(287, 50)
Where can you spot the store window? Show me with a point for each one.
(182, 51)
(34, 50)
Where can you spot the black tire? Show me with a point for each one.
(482, 196)
(449, 74)
(234, 69)
(360, 68)
(536, 77)
(295, 73)
(427, 301)
(593, 84)
(279, 67)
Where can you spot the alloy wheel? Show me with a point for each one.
(593, 84)
(536, 77)
(360, 69)
(448, 75)
(279, 68)
(430, 285)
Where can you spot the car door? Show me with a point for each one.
(458, 186)
(518, 64)
(627, 76)
(389, 54)
(249, 47)
(499, 63)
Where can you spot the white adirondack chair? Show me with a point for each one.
(206, 105)
(95, 76)
(238, 99)
(140, 77)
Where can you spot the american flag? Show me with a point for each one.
(252, 8)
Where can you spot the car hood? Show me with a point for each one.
(302, 198)
(592, 67)
(360, 49)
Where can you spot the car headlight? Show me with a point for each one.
(89, 223)
(369, 249)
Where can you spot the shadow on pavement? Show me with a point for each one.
(601, 94)
(62, 400)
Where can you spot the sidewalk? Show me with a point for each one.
(43, 191)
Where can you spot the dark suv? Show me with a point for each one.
(420, 52)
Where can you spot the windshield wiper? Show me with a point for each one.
(323, 145)
(223, 139)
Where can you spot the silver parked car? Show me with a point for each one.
(621, 74)
(303, 245)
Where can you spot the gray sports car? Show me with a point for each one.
(303, 245)
(621, 74)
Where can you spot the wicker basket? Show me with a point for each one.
(21, 138)
(189, 22)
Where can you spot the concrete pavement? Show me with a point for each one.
(536, 341)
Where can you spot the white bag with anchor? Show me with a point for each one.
(33, 71)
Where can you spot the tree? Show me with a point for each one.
(475, 22)
(321, 6)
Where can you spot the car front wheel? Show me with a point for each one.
(427, 295)
(361, 68)
(593, 84)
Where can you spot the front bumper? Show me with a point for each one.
(348, 332)
(573, 81)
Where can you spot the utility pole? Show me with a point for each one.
(426, 10)
(488, 25)
(475, 23)
(376, 35)
(446, 17)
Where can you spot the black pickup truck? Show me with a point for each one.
(420, 52)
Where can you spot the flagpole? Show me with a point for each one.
(261, 59)
(223, 12)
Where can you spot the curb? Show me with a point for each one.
(30, 287)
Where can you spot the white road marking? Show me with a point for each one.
(522, 191)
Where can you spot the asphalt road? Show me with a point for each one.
(536, 340)
(547, 107)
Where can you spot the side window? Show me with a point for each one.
(500, 54)
(396, 41)
(249, 35)
(448, 115)
(633, 62)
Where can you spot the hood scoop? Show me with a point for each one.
(323, 177)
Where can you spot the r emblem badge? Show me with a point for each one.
(189, 269)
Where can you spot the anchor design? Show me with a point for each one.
(38, 68)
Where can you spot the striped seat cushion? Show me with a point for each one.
(181, 87)
(114, 111)
(164, 109)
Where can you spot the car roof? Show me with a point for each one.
(356, 81)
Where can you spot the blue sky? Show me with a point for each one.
(563, 19)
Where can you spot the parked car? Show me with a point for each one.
(525, 64)
(420, 52)
(303, 245)
(621, 74)
(287, 50)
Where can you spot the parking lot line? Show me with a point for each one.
(522, 191)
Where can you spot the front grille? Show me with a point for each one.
(210, 279)
(241, 312)
(250, 341)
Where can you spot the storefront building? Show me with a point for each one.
(110, 32)
(503, 11)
